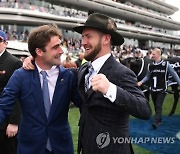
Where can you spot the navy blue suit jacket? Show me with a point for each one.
(35, 127)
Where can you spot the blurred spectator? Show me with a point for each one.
(79, 60)
(68, 63)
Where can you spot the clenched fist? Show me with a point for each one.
(100, 83)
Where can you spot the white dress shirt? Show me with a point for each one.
(97, 64)
(52, 76)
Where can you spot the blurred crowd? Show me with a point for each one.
(43, 7)
(46, 7)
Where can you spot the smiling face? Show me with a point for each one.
(51, 55)
(92, 43)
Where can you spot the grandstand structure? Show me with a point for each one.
(143, 23)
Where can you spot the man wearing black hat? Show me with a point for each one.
(109, 91)
(9, 129)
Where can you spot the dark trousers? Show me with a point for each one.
(7, 145)
(48, 152)
(158, 99)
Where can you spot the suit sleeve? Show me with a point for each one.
(129, 97)
(15, 117)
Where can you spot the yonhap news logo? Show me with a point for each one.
(104, 139)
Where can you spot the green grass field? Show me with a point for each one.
(74, 117)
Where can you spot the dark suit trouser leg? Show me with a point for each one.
(48, 152)
(158, 99)
(7, 145)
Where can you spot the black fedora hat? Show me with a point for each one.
(104, 24)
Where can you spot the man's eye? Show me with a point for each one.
(57, 46)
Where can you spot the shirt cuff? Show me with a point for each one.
(111, 93)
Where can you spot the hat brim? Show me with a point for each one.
(117, 39)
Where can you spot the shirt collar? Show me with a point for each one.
(49, 72)
(98, 63)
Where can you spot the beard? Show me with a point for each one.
(93, 54)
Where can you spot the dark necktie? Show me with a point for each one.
(47, 103)
(90, 70)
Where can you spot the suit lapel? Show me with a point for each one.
(107, 66)
(37, 92)
(81, 80)
(56, 101)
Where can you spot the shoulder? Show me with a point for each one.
(121, 75)
(122, 69)
(22, 75)
(13, 60)
(83, 66)
(22, 71)
(164, 63)
(12, 56)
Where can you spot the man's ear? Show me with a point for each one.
(107, 38)
(38, 51)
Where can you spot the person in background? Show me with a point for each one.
(45, 94)
(157, 74)
(109, 90)
(68, 63)
(8, 129)
(79, 60)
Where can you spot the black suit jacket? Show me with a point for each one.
(9, 63)
(103, 124)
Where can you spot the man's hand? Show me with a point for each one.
(139, 83)
(11, 130)
(100, 83)
(27, 64)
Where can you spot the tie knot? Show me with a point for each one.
(44, 74)
(90, 69)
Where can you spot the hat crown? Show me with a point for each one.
(101, 21)
(3, 35)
